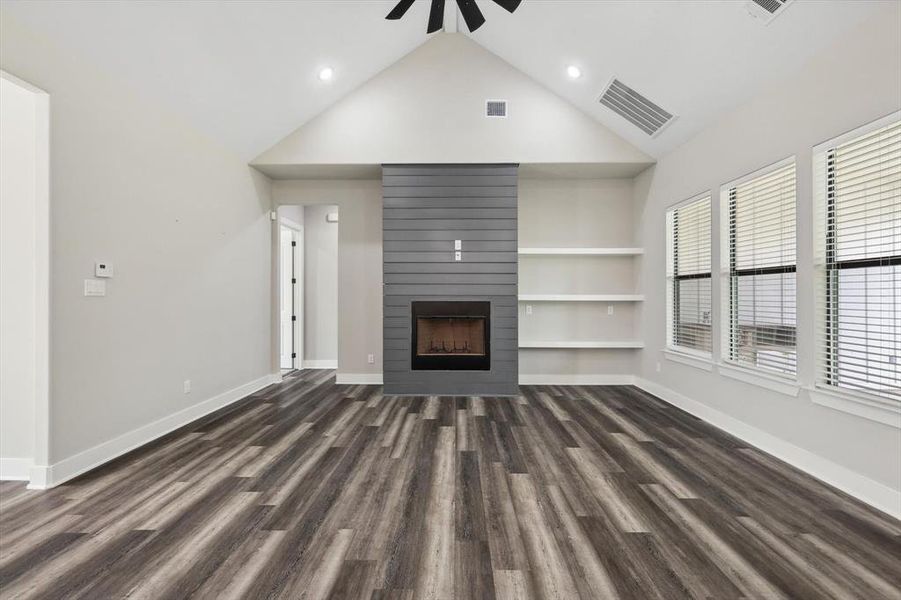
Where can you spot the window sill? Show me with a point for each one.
(868, 407)
(698, 361)
(783, 385)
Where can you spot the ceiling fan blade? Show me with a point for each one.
(400, 10)
(436, 16)
(471, 14)
(509, 5)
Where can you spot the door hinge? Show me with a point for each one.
(293, 280)
(293, 317)
(294, 355)
(293, 243)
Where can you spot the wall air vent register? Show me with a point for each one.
(496, 108)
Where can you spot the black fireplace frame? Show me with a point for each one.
(445, 309)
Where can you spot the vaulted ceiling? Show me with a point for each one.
(245, 72)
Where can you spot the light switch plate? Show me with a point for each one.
(609, 309)
(103, 269)
(458, 256)
(458, 244)
(94, 287)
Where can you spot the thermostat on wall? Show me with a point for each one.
(103, 269)
(331, 217)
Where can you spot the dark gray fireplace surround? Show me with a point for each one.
(426, 208)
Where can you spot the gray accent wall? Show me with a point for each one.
(426, 208)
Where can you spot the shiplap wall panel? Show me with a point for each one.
(449, 268)
(448, 257)
(458, 170)
(426, 208)
(450, 202)
(450, 234)
(461, 224)
(415, 181)
(440, 246)
(449, 191)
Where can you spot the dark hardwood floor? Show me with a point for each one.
(314, 490)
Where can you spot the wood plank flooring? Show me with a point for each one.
(310, 489)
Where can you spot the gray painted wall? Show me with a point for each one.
(426, 208)
(359, 203)
(320, 274)
(856, 81)
(569, 212)
(185, 224)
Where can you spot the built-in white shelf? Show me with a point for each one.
(582, 251)
(581, 298)
(596, 344)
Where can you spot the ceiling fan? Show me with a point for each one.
(470, 10)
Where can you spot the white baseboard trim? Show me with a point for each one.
(359, 379)
(863, 488)
(15, 469)
(576, 379)
(43, 477)
(319, 364)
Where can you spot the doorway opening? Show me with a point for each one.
(308, 287)
(291, 288)
(24, 282)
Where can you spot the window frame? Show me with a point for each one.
(672, 287)
(730, 273)
(825, 390)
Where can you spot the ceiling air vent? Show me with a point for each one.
(496, 108)
(635, 108)
(766, 10)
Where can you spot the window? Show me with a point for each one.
(688, 276)
(759, 298)
(859, 321)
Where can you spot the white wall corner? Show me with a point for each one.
(359, 379)
(39, 477)
(14, 469)
(73, 466)
(863, 488)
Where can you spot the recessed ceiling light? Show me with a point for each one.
(326, 74)
(573, 71)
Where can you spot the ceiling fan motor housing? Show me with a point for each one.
(468, 8)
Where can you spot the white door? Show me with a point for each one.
(290, 292)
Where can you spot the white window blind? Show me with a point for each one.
(688, 276)
(860, 311)
(760, 299)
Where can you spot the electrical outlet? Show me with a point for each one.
(187, 386)
(658, 366)
(609, 310)
(370, 358)
(528, 309)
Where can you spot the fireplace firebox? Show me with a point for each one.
(451, 336)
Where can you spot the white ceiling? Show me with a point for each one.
(245, 72)
(695, 58)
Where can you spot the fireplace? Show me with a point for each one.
(451, 336)
(450, 308)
